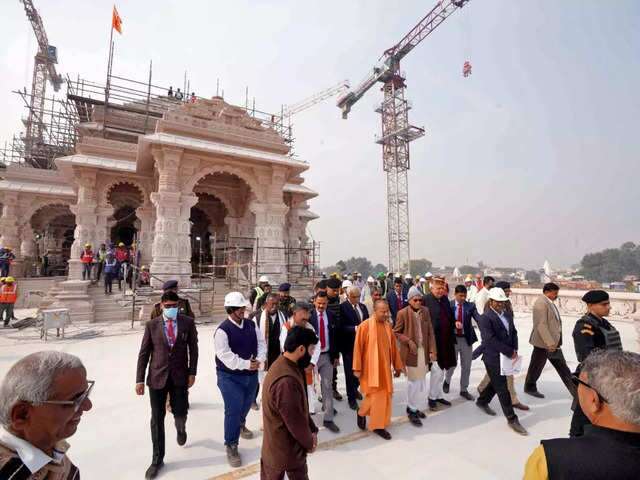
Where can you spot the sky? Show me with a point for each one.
(533, 157)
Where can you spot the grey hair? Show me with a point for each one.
(616, 376)
(31, 379)
(351, 290)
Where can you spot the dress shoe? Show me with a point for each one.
(358, 396)
(486, 409)
(245, 433)
(152, 471)
(233, 457)
(534, 393)
(421, 414)
(516, 427)
(362, 422)
(445, 387)
(414, 419)
(181, 429)
(466, 395)
(331, 426)
(182, 437)
(520, 406)
(444, 402)
(383, 433)
(353, 405)
(337, 396)
(433, 405)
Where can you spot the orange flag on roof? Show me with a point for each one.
(116, 21)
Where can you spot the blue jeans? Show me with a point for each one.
(238, 392)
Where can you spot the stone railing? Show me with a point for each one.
(623, 305)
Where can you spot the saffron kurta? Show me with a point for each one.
(374, 352)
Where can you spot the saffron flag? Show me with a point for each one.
(116, 21)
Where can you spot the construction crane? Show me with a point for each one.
(337, 89)
(397, 133)
(44, 69)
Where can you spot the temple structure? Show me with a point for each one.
(174, 179)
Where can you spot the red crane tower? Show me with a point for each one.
(397, 132)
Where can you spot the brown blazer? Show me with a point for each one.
(405, 330)
(179, 362)
(547, 327)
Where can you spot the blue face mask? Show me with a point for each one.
(170, 312)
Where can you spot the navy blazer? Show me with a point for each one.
(496, 339)
(469, 311)
(334, 348)
(349, 320)
(392, 299)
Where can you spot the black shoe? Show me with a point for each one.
(358, 396)
(233, 457)
(182, 438)
(534, 393)
(444, 402)
(152, 471)
(521, 406)
(245, 433)
(331, 426)
(445, 387)
(433, 405)
(383, 433)
(413, 418)
(353, 405)
(516, 427)
(362, 422)
(421, 414)
(337, 396)
(486, 409)
(466, 395)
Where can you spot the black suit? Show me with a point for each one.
(334, 350)
(169, 371)
(349, 320)
(392, 300)
(497, 340)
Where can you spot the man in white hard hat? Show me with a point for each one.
(240, 349)
(258, 292)
(346, 285)
(499, 339)
(472, 290)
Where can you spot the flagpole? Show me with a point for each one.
(108, 84)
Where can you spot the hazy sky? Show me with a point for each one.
(534, 157)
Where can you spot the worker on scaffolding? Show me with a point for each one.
(179, 95)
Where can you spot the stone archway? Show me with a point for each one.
(124, 225)
(50, 231)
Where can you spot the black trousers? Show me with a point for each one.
(158, 399)
(334, 382)
(497, 386)
(350, 379)
(539, 358)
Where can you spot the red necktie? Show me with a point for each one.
(322, 339)
(399, 302)
(171, 334)
(459, 330)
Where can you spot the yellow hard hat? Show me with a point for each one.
(121, 244)
(2, 279)
(144, 267)
(87, 245)
(9, 280)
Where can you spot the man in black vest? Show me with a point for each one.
(591, 332)
(170, 349)
(240, 349)
(608, 388)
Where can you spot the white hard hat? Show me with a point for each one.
(347, 284)
(407, 277)
(498, 295)
(428, 275)
(370, 279)
(263, 279)
(235, 299)
(423, 280)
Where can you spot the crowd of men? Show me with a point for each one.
(282, 348)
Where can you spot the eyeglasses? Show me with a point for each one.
(77, 403)
(576, 381)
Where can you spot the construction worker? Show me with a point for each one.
(8, 297)
(101, 256)
(86, 257)
(122, 257)
(6, 259)
(258, 292)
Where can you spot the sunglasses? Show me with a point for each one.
(576, 381)
(77, 403)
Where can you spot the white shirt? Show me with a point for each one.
(326, 331)
(503, 319)
(555, 309)
(33, 458)
(231, 360)
(481, 300)
(472, 293)
(283, 337)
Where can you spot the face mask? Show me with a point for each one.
(305, 361)
(171, 312)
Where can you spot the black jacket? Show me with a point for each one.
(349, 320)
(469, 311)
(496, 339)
(445, 340)
(334, 348)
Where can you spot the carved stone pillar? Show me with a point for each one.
(145, 233)
(103, 225)
(28, 245)
(269, 230)
(86, 221)
(9, 228)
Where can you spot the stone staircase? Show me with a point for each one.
(111, 308)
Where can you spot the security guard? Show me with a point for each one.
(184, 308)
(591, 332)
(286, 302)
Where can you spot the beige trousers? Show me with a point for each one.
(510, 386)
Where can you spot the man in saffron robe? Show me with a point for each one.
(375, 352)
